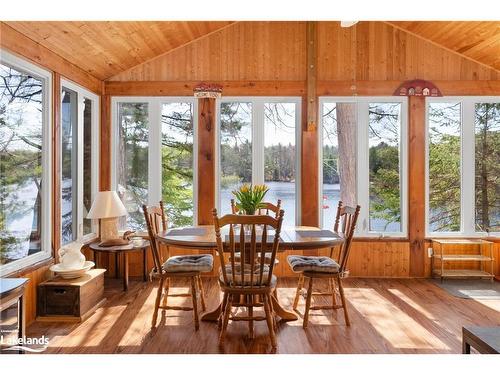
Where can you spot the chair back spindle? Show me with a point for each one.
(155, 222)
(249, 268)
(346, 220)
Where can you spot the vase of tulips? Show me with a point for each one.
(249, 198)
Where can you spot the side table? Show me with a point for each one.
(486, 340)
(123, 251)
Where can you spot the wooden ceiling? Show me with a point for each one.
(479, 41)
(104, 49)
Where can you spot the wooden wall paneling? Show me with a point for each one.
(104, 49)
(243, 51)
(477, 41)
(383, 52)
(19, 44)
(416, 185)
(206, 160)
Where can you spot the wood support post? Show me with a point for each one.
(309, 139)
(206, 160)
(56, 161)
(416, 185)
(105, 147)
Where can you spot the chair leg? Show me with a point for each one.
(225, 319)
(250, 315)
(300, 285)
(344, 305)
(157, 302)
(167, 288)
(308, 303)
(202, 293)
(269, 319)
(195, 303)
(332, 289)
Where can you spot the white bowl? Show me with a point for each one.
(71, 274)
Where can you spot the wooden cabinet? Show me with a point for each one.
(70, 300)
(12, 312)
(462, 258)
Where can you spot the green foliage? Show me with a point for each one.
(249, 198)
(385, 200)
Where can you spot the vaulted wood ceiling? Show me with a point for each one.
(479, 41)
(105, 49)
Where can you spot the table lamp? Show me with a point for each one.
(108, 207)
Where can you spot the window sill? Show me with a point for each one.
(495, 239)
(33, 267)
(381, 239)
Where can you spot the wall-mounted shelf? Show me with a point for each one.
(445, 250)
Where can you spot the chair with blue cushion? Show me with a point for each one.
(322, 267)
(180, 266)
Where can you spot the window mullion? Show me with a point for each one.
(468, 177)
(79, 162)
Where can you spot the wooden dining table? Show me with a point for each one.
(291, 238)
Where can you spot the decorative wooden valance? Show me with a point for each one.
(417, 87)
(208, 90)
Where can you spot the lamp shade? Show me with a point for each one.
(106, 204)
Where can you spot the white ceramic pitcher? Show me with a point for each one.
(70, 256)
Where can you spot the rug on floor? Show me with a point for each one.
(470, 289)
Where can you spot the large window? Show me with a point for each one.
(258, 141)
(154, 157)
(362, 161)
(463, 166)
(79, 147)
(25, 163)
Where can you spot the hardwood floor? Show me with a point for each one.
(387, 316)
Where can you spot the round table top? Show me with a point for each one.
(134, 245)
(292, 238)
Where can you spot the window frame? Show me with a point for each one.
(467, 165)
(82, 94)
(154, 148)
(45, 76)
(363, 161)
(258, 142)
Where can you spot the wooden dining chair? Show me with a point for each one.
(175, 267)
(267, 208)
(247, 281)
(316, 267)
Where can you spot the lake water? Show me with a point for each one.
(286, 192)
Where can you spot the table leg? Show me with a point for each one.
(144, 265)
(95, 258)
(125, 270)
(212, 316)
(465, 347)
(285, 315)
(116, 265)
